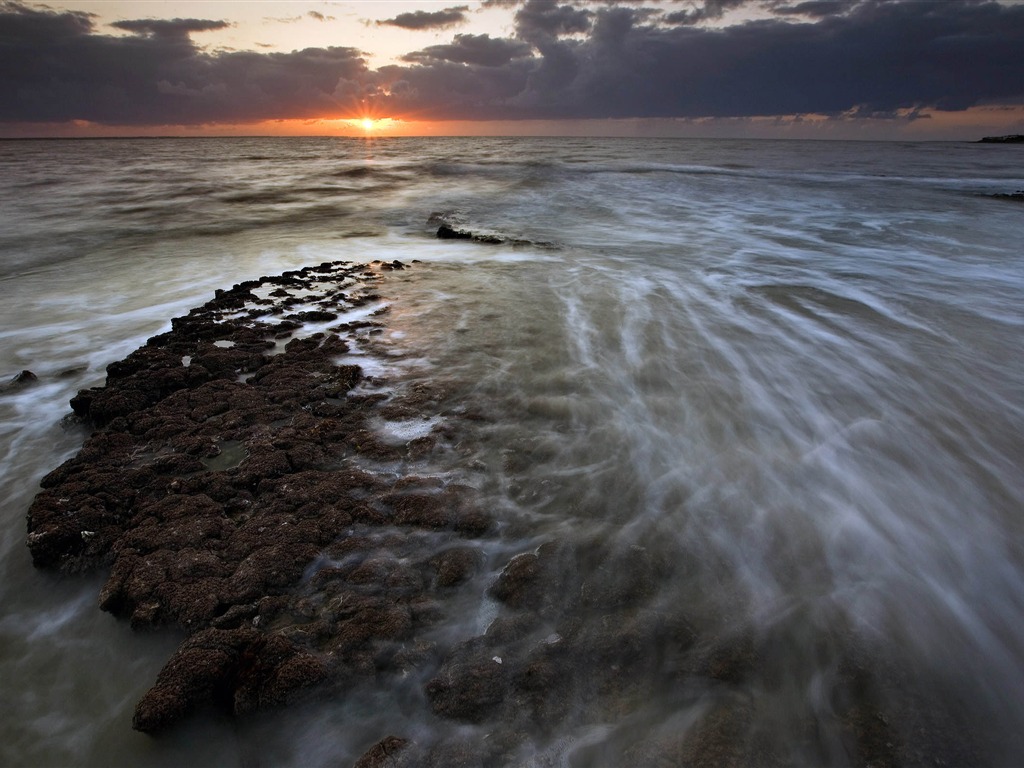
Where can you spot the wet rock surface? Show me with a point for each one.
(238, 490)
(230, 490)
(449, 227)
(19, 382)
(1017, 196)
(446, 232)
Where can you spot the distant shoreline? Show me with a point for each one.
(1016, 138)
(987, 139)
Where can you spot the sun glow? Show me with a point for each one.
(373, 125)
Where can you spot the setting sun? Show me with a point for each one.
(378, 126)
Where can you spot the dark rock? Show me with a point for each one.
(24, 379)
(623, 578)
(1016, 138)
(471, 684)
(239, 670)
(518, 584)
(730, 657)
(316, 316)
(531, 579)
(721, 739)
(445, 232)
(215, 502)
(455, 565)
(389, 752)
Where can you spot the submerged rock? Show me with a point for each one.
(389, 752)
(445, 232)
(20, 381)
(471, 684)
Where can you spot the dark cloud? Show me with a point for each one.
(54, 68)
(867, 58)
(877, 58)
(319, 16)
(816, 8)
(514, 3)
(35, 26)
(543, 19)
(445, 89)
(448, 17)
(482, 50)
(708, 10)
(177, 28)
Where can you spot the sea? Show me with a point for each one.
(794, 368)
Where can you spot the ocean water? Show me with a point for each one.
(795, 369)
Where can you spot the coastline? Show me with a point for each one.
(734, 432)
(237, 490)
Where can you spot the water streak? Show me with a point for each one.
(792, 370)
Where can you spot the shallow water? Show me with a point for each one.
(792, 370)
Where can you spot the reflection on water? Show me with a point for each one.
(797, 392)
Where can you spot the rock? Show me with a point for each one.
(731, 657)
(21, 381)
(455, 565)
(445, 232)
(240, 670)
(471, 684)
(389, 752)
(1016, 138)
(466, 751)
(721, 739)
(24, 378)
(532, 579)
(630, 577)
(225, 509)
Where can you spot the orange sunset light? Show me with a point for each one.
(374, 124)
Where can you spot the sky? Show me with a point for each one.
(871, 69)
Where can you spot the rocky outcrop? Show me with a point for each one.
(445, 232)
(450, 228)
(220, 493)
(236, 489)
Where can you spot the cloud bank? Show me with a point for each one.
(564, 60)
(448, 17)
